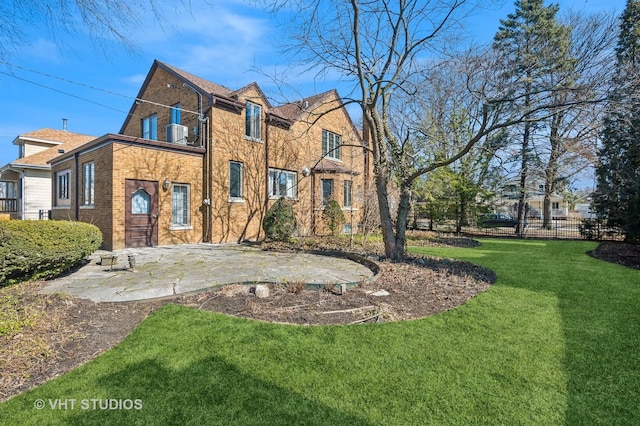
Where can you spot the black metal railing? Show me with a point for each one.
(8, 205)
(569, 228)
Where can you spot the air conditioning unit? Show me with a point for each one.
(177, 133)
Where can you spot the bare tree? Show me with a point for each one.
(102, 20)
(574, 132)
(385, 49)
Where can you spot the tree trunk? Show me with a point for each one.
(401, 222)
(388, 234)
(546, 211)
(551, 173)
(524, 170)
(461, 214)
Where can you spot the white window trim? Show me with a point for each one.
(332, 152)
(187, 226)
(295, 184)
(66, 201)
(251, 137)
(344, 192)
(93, 185)
(239, 199)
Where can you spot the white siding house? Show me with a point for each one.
(30, 174)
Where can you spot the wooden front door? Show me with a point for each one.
(141, 213)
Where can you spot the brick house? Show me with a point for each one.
(25, 183)
(195, 161)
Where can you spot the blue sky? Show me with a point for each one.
(228, 42)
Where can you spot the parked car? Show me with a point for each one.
(497, 220)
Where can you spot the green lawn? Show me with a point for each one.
(555, 340)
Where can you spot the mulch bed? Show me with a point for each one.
(624, 254)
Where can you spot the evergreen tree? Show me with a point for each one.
(617, 195)
(533, 47)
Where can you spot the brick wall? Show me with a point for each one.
(117, 161)
(165, 89)
(291, 150)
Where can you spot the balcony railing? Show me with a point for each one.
(8, 205)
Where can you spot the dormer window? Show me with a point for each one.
(331, 145)
(253, 122)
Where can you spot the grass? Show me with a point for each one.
(555, 340)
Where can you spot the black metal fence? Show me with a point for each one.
(570, 228)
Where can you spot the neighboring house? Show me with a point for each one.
(195, 161)
(534, 199)
(25, 184)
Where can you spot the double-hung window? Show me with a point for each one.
(348, 196)
(327, 191)
(331, 145)
(282, 183)
(150, 127)
(235, 181)
(63, 184)
(88, 183)
(180, 206)
(253, 124)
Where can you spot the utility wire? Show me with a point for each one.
(65, 80)
(137, 100)
(63, 92)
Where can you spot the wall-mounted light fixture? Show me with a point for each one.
(305, 171)
(165, 184)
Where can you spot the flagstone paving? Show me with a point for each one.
(170, 270)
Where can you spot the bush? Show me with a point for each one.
(280, 221)
(32, 249)
(333, 217)
(590, 229)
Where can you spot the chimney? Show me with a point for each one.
(64, 124)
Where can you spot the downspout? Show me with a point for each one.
(266, 174)
(207, 168)
(313, 203)
(21, 207)
(201, 119)
(208, 171)
(76, 184)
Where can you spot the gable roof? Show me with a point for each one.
(52, 136)
(283, 115)
(40, 159)
(294, 110)
(205, 86)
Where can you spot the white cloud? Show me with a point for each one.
(134, 80)
(41, 49)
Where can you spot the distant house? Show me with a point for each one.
(534, 198)
(195, 161)
(25, 184)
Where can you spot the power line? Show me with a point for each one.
(62, 92)
(136, 99)
(65, 80)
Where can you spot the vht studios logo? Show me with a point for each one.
(88, 404)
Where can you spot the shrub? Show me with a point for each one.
(280, 221)
(590, 229)
(333, 217)
(32, 250)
